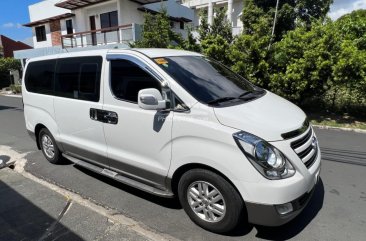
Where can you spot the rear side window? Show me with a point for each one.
(39, 77)
(78, 78)
(127, 79)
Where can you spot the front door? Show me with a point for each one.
(139, 145)
(92, 28)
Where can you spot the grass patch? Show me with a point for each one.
(336, 120)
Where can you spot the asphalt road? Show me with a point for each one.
(337, 210)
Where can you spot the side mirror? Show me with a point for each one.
(151, 99)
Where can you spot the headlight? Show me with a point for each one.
(267, 159)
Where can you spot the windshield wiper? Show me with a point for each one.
(250, 94)
(220, 100)
(246, 93)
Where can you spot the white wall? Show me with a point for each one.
(96, 10)
(130, 13)
(63, 25)
(202, 5)
(47, 43)
(127, 11)
(45, 9)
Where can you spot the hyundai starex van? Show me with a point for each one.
(175, 123)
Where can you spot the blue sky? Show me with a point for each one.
(14, 13)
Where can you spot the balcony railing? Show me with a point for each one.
(119, 34)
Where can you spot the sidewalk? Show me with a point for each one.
(31, 211)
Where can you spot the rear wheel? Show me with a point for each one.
(49, 147)
(210, 200)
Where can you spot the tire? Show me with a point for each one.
(49, 147)
(230, 206)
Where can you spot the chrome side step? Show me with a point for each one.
(118, 177)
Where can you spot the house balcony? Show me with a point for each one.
(115, 35)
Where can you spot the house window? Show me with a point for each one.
(41, 33)
(108, 20)
(69, 27)
(171, 24)
(181, 25)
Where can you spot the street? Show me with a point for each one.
(335, 212)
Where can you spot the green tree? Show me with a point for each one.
(191, 43)
(221, 26)
(215, 39)
(290, 13)
(326, 62)
(216, 47)
(302, 63)
(249, 54)
(7, 64)
(157, 33)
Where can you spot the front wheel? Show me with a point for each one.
(210, 200)
(49, 147)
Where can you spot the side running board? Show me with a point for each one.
(118, 177)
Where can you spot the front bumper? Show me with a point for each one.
(267, 215)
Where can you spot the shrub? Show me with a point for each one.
(16, 89)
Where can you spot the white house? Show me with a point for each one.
(234, 11)
(68, 24)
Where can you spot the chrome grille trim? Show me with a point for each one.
(305, 149)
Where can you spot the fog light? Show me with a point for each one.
(284, 208)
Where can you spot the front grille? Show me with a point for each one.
(306, 148)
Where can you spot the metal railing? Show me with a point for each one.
(119, 34)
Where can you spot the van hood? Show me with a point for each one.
(267, 117)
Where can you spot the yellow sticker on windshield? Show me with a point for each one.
(161, 61)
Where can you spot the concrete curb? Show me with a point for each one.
(339, 128)
(114, 216)
(15, 96)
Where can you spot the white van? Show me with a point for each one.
(175, 123)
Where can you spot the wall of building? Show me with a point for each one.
(45, 9)
(201, 5)
(129, 12)
(42, 44)
(63, 25)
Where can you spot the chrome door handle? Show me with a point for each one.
(111, 117)
(104, 116)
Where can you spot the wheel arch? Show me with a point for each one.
(37, 129)
(190, 166)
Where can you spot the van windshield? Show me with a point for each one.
(209, 81)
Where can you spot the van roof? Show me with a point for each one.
(149, 52)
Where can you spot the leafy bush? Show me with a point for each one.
(16, 89)
(7, 64)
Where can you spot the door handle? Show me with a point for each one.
(111, 117)
(104, 116)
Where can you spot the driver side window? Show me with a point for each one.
(127, 79)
